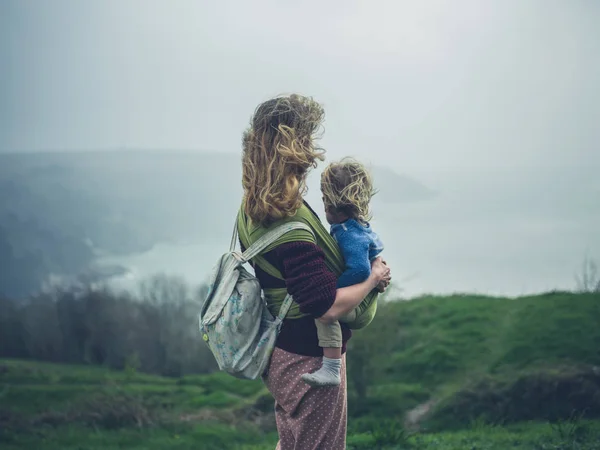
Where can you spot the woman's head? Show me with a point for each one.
(347, 190)
(278, 152)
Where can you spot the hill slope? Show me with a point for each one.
(479, 351)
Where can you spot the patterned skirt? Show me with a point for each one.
(308, 418)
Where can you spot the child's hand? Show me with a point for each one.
(380, 270)
(382, 273)
(382, 286)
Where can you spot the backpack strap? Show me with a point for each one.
(264, 241)
(285, 306)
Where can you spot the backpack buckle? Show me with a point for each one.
(238, 256)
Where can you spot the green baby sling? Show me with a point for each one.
(250, 233)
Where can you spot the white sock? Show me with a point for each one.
(327, 375)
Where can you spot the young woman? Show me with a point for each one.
(278, 152)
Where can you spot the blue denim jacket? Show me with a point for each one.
(360, 245)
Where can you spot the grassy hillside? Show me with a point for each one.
(436, 372)
(471, 356)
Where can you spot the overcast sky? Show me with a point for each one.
(416, 84)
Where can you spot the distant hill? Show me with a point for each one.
(395, 188)
(59, 210)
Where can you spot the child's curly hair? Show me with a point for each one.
(348, 187)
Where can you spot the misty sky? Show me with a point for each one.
(419, 85)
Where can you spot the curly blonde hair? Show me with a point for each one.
(278, 152)
(347, 186)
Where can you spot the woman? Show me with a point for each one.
(278, 152)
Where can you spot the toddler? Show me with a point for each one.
(347, 190)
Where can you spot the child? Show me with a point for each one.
(347, 190)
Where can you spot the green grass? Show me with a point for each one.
(213, 436)
(21, 372)
(31, 387)
(206, 436)
(530, 436)
(80, 407)
(440, 337)
(443, 347)
(497, 369)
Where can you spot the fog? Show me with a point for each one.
(493, 105)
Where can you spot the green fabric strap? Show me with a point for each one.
(250, 232)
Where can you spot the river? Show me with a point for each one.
(446, 245)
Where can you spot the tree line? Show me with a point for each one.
(154, 331)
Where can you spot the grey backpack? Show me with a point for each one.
(234, 319)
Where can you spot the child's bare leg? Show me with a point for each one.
(332, 352)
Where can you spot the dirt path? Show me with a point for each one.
(414, 416)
